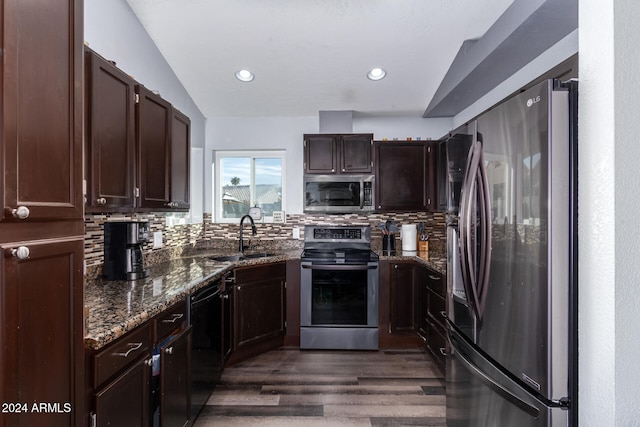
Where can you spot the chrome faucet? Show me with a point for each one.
(253, 229)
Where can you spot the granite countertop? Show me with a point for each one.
(116, 307)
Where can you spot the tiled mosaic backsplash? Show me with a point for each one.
(179, 240)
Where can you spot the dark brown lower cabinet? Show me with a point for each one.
(121, 375)
(397, 317)
(433, 315)
(128, 391)
(258, 309)
(175, 381)
(40, 328)
(403, 295)
(125, 401)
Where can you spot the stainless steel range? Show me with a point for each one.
(338, 289)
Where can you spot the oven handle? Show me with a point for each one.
(340, 267)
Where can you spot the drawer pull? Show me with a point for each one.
(175, 318)
(433, 277)
(443, 351)
(133, 346)
(169, 350)
(443, 314)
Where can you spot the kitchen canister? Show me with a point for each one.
(409, 237)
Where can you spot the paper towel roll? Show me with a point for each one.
(409, 237)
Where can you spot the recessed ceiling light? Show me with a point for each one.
(244, 75)
(376, 74)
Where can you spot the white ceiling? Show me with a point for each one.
(312, 55)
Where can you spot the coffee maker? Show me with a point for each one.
(123, 242)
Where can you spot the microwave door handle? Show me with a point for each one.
(361, 194)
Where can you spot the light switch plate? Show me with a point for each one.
(157, 239)
(295, 231)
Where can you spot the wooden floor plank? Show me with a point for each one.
(290, 387)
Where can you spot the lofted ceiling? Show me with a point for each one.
(313, 55)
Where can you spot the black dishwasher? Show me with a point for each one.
(205, 314)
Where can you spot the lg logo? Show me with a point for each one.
(532, 101)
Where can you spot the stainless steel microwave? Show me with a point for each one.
(339, 193)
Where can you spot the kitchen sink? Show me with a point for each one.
(241, 257)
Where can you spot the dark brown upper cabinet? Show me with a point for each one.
(137, 145)
(154, 118)
(336, 154)
(41, 117)
(110, 136)
(180, 160)
(405, 175)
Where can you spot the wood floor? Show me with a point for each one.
(290, 387)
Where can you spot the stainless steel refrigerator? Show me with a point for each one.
(511, 263)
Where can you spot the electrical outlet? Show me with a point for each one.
(157, 239)
(295, 231)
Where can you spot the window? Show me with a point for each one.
(245, 179)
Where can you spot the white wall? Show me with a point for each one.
(286, 133)
(608, 206)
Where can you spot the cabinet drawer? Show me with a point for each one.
(171, 320)
(436, 282)
(122, 353)
(436, 308)
(437, 344)
(259, 273)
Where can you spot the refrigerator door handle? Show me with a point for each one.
(485, 234)
(467, 261)
(489, 382)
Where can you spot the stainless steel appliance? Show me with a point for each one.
(338, 289)
(123, 259)
(511, 263)
(339, 193)
(207, 358)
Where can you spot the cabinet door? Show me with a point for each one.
(175, 381)
(41, 321)
(154, 149)
(403, 295)
(355, 153)
(227, 322)
(259, 304)
(41, 91)
(401, 176)
(320, 154)
(125, 401)
(180, 159)
(110, 136)
(442, 180)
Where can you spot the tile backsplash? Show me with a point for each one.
(180, 240)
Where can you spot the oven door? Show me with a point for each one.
(339, 306)
(339, 295)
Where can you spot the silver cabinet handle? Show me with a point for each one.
(21, 252)
(168, 350)
(149, 362)
(133, 346)
(21, 212)
(443, 351)
(433, 277)
(174, 318)
(172, 204)
(443, 314)
(101, 201)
